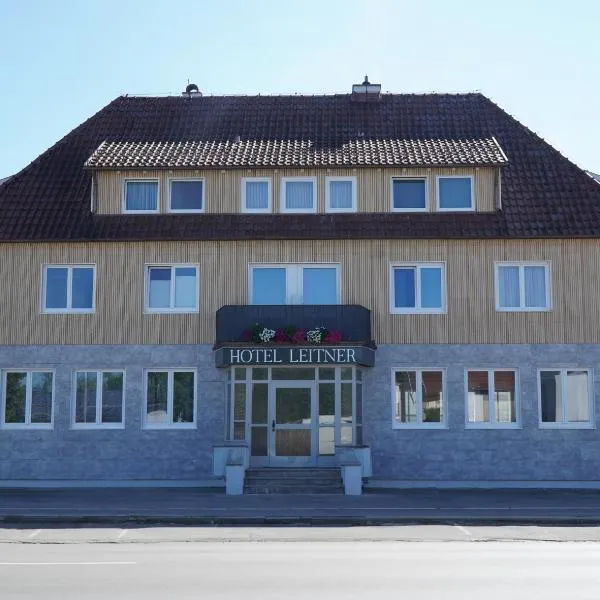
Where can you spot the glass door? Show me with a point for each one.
(292, 439)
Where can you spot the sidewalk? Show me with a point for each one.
(197, 507)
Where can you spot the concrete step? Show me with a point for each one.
(293, 481)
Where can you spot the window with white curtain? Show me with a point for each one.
(523, 286)
(172, 288)
(492, 398)
(141, 195)
(299, 194)
(340, 194)
(565, 399)
(256, 195)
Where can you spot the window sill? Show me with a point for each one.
(428, 426)
(298, 211)
(172, 311)
(340, 210)
(493, 426)
(141, 212)
(447, 210)
(94, 426)
(567, 426)
(410, 210)
(517, 310)
(67, 311)
(184, 212)
(417, 312)
(23, 426)
(170, 427)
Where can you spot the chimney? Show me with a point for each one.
(366, 91)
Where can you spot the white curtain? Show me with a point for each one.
(508, 283)
(299, 195)
(535, 287)
(141, 195)
(577, 397)
(340, 194)
(257, 195)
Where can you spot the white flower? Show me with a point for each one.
(314, 335)
(266, 335)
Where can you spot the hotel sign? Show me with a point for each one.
(295, 355)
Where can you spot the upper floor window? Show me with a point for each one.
(340, 194)
(418, 398)
(294, 284)
(98, 399)
(523, 286)
(298, 194)
(256, 195)
(141, 195)
(455, 193)
(565, 398)
(27, 398)
(186, 195)
(69, 288)
(417, 288)
(172, 288)
(409, 194)
(492, 398)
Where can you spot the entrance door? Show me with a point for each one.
(292, 439)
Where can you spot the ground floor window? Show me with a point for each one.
(492, 398)
(170, 398)
(418, 398)
(27, 398)
(565, 398)
(294, 414)
(98, 398)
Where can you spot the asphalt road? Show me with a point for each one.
(292, 570)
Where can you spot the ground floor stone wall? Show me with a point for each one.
(453, 454)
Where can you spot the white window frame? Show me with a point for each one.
(437, 193)
(172, 308)
(417, 308)
(269, 183)
(68, 310)
(283, 207)
(293, 279)
(420, 424)
(493, 423)
(170, 391)
(98, 424)
(170, 193)
(140, 180)
(409, 210)
(521, 265)
(328, 207)
(28, 392)
(564, 424)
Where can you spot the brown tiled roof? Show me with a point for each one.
(543, 194)
(296, 153)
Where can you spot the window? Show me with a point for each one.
(409, 194)
(69, 288)
(27, 399)
(565, 398)
(418, 398)
(455, 193)
(298, 194)
(294, 284)
(256, 195)
(523, 287)
(340, 194)
(170, 398)
(98, 399)
(492, 398)
(186, 195)
(141, 195)
(172, 288)
(418, 288)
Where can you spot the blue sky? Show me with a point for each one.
(63, 60)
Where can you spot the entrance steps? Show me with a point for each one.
(293, 481)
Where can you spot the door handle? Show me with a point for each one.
(273, 425)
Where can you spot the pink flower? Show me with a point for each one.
(280, 336)
(333, 336)
(299, 337)
(246, 335)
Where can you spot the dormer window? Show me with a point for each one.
(409, 194)
(186, 195)
(455, 193)
(141, 196)
(298, 194)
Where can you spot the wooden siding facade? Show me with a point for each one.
(223, 187)
(365, 279)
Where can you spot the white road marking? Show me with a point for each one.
(34, 533)
(122, 534)
(65, 564)
(464, 530)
